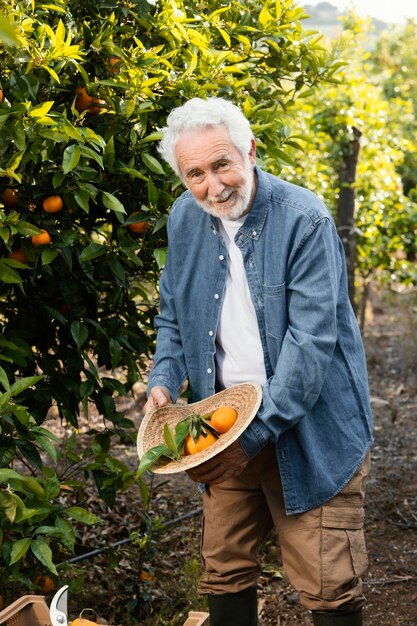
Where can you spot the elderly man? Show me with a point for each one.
(254, 289)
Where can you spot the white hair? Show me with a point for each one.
(200, 113)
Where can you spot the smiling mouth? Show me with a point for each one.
(223, 201)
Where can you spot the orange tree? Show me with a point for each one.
(358, 142)
(86, 86)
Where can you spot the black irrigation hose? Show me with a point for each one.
(88, 555)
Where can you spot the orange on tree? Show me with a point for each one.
(81, 621)
(139, 226)
(114, 63)
(45, 583)
(18, 255)
(203, 442)
(223, 418)
(52, 204)
(42, 239)
(83, 101)
(1, 96)
(10, 198)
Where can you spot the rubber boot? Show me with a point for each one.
(234, 609)
(337, 618)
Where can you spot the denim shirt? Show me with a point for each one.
(315, 404)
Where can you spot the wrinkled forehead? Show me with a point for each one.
(199, 148)
(206, 131)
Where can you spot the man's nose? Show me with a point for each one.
(215, 185)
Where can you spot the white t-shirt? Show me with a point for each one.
(239, 355)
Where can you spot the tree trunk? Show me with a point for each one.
(346, 207)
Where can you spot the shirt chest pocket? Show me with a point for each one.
(275, 306)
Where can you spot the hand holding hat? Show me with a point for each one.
(162, 429)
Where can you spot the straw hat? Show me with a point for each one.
(245, 398)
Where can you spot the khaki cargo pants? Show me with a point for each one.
(323, 550)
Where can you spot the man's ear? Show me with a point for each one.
(252, 152)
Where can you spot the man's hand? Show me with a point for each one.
(231, 462)
(159, 397)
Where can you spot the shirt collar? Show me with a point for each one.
(255, 221)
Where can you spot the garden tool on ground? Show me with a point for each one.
(59, 607)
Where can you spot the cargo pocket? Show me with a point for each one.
(344, 557)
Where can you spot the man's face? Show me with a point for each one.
(221, 180)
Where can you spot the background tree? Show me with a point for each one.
(353, 160)
(392, 62)
(84, 94)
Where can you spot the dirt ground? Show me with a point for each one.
(166, 575)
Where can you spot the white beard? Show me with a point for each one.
(240, 202)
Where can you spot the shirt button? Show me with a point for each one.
(254, 233)
(216, 295)
(221, 257)
(209, 370)
(211, 333)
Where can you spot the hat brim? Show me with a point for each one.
(245, 398)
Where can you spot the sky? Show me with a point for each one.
(386, 10)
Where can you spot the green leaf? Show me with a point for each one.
(21, 413)
(264, 16)
(19, 549)
(22, 513)
(81, 515)
(144, 492)
(109, 153)
(6, 475)
(160, 223)
(118, 270)
(82, 198)
(46, 445)
(93, 368)
(133, 173)
(150, 457)
(115, 352)
(25, 483)
(47, 530)
(153, 193)
(52, 73)
(41, 109)
(160, 255)
(111, 202)
(225, 35)
(24, 383)
(283, 156)
(7, 33)
(67, 533)
(79, 333)
(33, 485)
(43, 553)
(18, 387)
(71, 158)
(88, 153)
(48, 256)
(27, 229)
(92, 251)
(169, 438)
(157, 136)
(152, 164)
(8, 274)
(182, 429)
(4, 380)
(8, 505)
